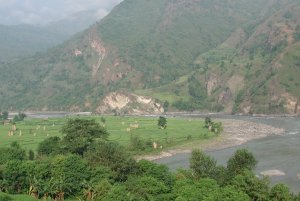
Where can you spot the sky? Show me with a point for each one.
(14, 12)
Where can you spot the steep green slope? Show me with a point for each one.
(249, 73)
(197, 54)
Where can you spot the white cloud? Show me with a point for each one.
(44, 11)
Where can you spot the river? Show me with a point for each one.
(274, 152)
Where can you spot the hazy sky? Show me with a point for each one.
(43, 11)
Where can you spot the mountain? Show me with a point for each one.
(208, 55)
(24, 40)
(75, 23)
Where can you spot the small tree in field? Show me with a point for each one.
(162, 122)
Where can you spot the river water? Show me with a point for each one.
(274, 152)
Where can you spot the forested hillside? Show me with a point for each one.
(232, 56)
(25, 40)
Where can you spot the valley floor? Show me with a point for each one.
(236, 132)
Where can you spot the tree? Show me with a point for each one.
(51, 145)
(4, 115)
(162, 122)
(166, 106)
(280, 192)
(15, 173)
(81, 133)
(187, 189)
(146, 188)
(202, 165)
(103, 120)
(14, 152)
(212, 126)
(255, 188)
(117, 192)
(241, 160)
(157, 171)
(31, 155)
(207, 122)
(19, 117)
(68, 174)
(112, 155)
(228, 193)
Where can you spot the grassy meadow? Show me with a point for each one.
(31, 132)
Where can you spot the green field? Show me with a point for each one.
(179, 131)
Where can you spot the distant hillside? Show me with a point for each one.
(217, 55)
(23, 40)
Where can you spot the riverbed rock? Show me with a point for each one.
(272, 173)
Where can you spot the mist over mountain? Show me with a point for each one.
(218, 55)
(22, 40)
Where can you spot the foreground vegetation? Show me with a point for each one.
(124, 130)
(84, 165)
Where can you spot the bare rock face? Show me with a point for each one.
(212, 83)
(236, 83)
(128, 103)
(225, 97)
(292, 104)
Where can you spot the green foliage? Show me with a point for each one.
(207, 122)
(194, 190)
(162, 122)
(19, 117)
(228, 193)
(14, 152)
(255, 188)
(196, 89)
(146, 188)
(16, 176)
(68, 173)
(113, 156)
(51, 145)
(117, 192)
(31, 155)
(138, 144)
(106, 171)
(159, 44)
(215, 127)
(4, 197)
(160, 172)
(79, 134)
(103, 120)
(166, 106)
(238, 100)
(202, 165)
(4, 115)
(280, 192)
(241, 160)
